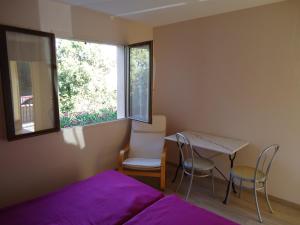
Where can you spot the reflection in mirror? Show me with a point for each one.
(22, 96)
(31, 106)
(31, 82)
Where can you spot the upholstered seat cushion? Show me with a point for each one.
(200, 164)
(247, 173)
(142, 164)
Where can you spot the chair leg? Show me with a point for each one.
(182, 175)
(256, 203)
(163, 178)
(162, 182)
(229, 190)
(241, 186)
(212, 181)
(190, 187)
(267, 197)
(120, 169)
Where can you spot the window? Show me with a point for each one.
(75, 84)
(140, 82)
(91, 82)
(28, 80)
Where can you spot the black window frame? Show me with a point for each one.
(150, 44)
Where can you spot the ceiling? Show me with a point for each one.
(162, 12)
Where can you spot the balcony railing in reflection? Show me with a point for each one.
(27, 109)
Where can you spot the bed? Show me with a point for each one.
(109, 198)
(172, 210)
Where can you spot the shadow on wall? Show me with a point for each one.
(34, 166)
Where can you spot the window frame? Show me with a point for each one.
(7, 89)
(6, 83)
(128, 105)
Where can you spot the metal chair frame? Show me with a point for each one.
(263, 166)
(185, 146)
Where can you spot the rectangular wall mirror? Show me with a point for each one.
(28, 72)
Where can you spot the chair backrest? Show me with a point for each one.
(186, 149)
(147, 140)
(265, 160)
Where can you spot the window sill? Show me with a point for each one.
(106, 123)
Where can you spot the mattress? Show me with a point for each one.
(171, 210)
(108, 198)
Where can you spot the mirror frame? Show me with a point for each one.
(6, 83)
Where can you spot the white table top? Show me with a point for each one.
(211, 142)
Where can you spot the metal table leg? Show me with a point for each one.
(231, 158)
(220, 172)
(179, 166)
(177, 169)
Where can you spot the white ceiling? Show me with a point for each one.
(162, 12)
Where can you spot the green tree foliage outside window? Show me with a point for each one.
(139, 81)
(87, 79)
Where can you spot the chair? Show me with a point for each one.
(146, 153)
(257, 176)
(192, 165)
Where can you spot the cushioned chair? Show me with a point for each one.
(257, 176)
(146, 153)
(193, 164)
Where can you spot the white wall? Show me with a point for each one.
(72, 22)
(236, 75)
(34, 166)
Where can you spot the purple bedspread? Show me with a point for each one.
(107, 198)
(171, 210)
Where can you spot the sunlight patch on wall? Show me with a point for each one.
(74, 136)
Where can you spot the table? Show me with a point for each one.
(218, 144)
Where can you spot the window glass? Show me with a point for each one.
(91, 82)
(140, 78)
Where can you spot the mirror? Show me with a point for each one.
(28, 71)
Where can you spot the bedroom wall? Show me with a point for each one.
(34, 166)
(236, 75)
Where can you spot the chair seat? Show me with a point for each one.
(200, 164)
(247, 173)
(142, 164)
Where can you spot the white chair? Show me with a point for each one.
(257, 176)
(146, 153)
(193, 166)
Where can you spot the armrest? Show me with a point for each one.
(163, 168)
(123, 155)
(163, 156)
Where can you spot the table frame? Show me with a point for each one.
(231, 157)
